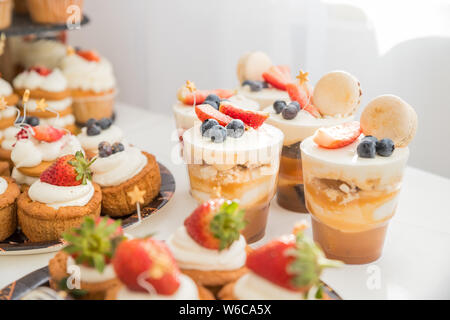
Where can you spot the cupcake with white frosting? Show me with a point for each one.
(92, 83)
(7, 115)
(9, 191)
(59, 200)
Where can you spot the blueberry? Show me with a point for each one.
(104, 149)
(279, 105)
(212, 104)
(213, 100)
(371, 138)
(235, 128)
(93, 130)
(290, 112)
(218, 134)
(254, 85)
(296, 104)
(104, 123)
(207, 125)
(366, 149)
(385, 147)
(117, 147)
(265, 85)
(33, 121)
(90, 122)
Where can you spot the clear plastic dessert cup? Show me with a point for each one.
(351, 199)
(93, 106)
(243, 169)
(290, 193)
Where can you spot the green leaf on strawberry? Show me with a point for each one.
(82, 167)
(227, 223)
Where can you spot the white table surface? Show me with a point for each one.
(416, 259)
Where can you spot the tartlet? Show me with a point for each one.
(9, 191)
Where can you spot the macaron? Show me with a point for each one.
(388, 116)
(337, 93)
(252, 65)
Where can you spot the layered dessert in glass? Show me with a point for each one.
(232, 154)
(352, 179)
(300, 117)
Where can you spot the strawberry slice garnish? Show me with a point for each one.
(89, 55)
(206, 111)
(297, 93)
(278, 76)
(215, 224)
(47, 133)
(69, 170)
(312, 110)
(254, 119)
(187, 97)
(337, 136)
(146, 265)
(43, 71)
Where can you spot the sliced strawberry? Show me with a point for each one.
(187, 97)
(47, 133)
(89, 55)
(206, 111)
(43, 71)
(278, 76)
(145, 265)
(313, 111)
(337, 136)
(254, 119)
(297, 93)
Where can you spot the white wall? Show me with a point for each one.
(156, 45)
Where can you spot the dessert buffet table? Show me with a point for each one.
(415, 263)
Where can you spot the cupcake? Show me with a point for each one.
(148, 271)
(118, 170)
(6, 9)
(47, 53)
(36, 148)
(53, 11)
(287, 268)
(9, 191)
(20, 6)
(90, 248)
(209, 248)
(50, 85)
(9, 98)
(260, 80)
(97, 131)
(59, 200)
(92, 84)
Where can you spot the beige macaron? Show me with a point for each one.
(252, 65)
(389, 116)
(337, 93)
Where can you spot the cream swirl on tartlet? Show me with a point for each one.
(90, 142)
(32, 79)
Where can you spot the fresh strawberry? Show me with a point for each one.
(69, 170)
(278, 76)
(297, 93)
(146, 265)
(206, 111)
(47, 133)
(89, 55)
(313, 111)
(43, 71)
(254, 119)
(93, 243)
(292, 262)
(338, 136)
(187, 97)
(215, 224)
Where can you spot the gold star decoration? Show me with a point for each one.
(41, 105)
(136, 195)
(302, 77)
(300, 227)
(2, 43)
(190, 86)
(26, 96)
(70, 50)
(3, 103)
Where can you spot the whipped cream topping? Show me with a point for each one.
(8, 112)
(3, 185)
(118, 167)
(42, 52)
(187, 291)
(254, 147)
(111, 135)
(9, 135)
(30, 152)
(190, 255)
(90, 274)
(264, 97)
(88, 75)
(5, 88)
(253, 287)
(55, 105)
(302, 126)
(30, 79)
(60, 196)
(60, 122)
(22, 178)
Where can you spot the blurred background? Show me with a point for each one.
(398, 47)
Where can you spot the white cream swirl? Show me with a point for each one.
(118, 167)
(60, 196)
(23, 179)
(111, 135)
(3, 185)
(55, 105)
(30, 79)
(10, 139)
(5, 88)
(92, 275)
(88, 75)
(187, 291)
(58, 122)
(42, 52)
(190, 255)
(9, 112)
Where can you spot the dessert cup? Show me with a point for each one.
(52, 11)
(290, 190)
(6, 9)
(245, 169)
(89, 104)
(41, 222)
(8, 218)
(351, 199)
